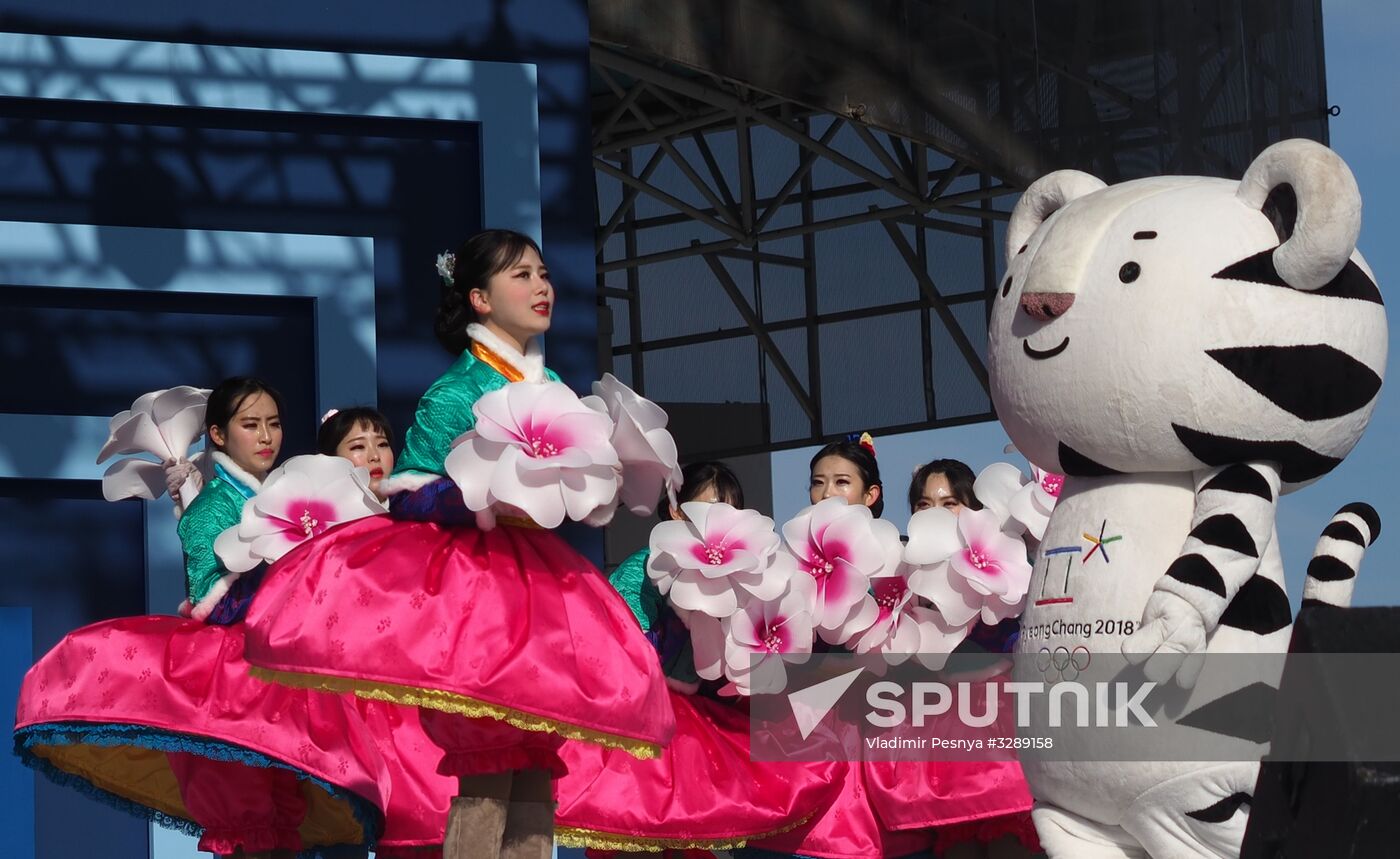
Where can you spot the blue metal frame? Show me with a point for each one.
(500, 97)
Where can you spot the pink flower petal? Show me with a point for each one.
(184, 426)
(583, 430)
(674, 538)
(641, 486)
(273, 546)
(620, 397)
(799, 601)
(768, 584)
(769, 676)
(304, 518)
(933, 537)
(745, 627)
(852, 538)
(135, 433)
(996, 485)
(588, 489)
(842, 586)
(543, 502)
(707, 642)
(977, 526)
(949, 592)
(836, 629)
(709, 596)
(234, 553)
(470, 464)
(907, 637)
(133, 478)
(534, 406)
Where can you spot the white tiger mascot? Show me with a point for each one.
(1183, 349)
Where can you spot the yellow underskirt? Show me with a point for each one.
(451, 702)
(571, 836)
(143, 776)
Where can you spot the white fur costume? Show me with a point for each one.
(1183, 349)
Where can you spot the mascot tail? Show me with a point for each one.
(1335, 561)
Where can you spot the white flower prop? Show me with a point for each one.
(906, 627)
(163, 424)
(716, 559)
(1033, 507)
(1022, 506)
(538, 449)
(841, 547)
(706, 642)
(995, 486)
(764, 635)
(966, 565)
(300, 499)
(650, 461)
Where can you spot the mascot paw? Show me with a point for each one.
(1171, 641)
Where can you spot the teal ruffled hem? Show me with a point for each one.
(83, 786)
(106, 735)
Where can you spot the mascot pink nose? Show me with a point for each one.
(1045, 306)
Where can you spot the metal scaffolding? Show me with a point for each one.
(797, 209)
(894, 183)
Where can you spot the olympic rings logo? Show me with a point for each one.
(1062, 663)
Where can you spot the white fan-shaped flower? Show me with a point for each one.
(995, 486)
(764, 636)
(966, 565)
(650, 461)
(300, 499)
(906, 627)
(1021, 505)
(163, 424)
(1035, 502)
(841, 548)
(536, 448)
(717, 558)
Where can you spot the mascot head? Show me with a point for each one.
(1172, 323)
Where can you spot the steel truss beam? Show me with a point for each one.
(794, 324)
(659, 107)
(1188, 122)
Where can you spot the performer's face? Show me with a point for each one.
(937, 492)
(253, 436)
(838, 477)
(518, 301)
(367, 447)
(708, 495)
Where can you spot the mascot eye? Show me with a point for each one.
(1006, 287)
(1129, 272)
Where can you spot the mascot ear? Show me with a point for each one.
(1312, 198)
(1042, 199)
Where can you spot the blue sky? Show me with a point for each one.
(1363, 78)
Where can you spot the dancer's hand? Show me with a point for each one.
(177, 471)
